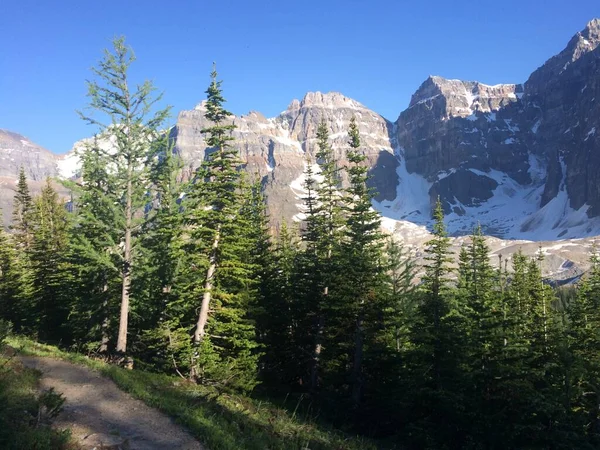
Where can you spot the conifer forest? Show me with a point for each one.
(185, 275)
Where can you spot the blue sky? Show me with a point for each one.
(267, 52)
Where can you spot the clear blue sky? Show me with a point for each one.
(268, 52)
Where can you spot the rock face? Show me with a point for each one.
(536, 143)
(453, 123)
(563, 97)
(276, 150)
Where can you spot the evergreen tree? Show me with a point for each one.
(401, 289)
(9, 279)
(436, 361)
(48, 253)
(482, 304)
(95, 251)
(279, 317)
(133, 125)
(355, 309)
(584, 346)
(220, 247)
(22, 211)
(323, 236)
(161, 260)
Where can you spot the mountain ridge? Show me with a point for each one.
(480, 148)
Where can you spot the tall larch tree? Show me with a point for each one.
(130, 120)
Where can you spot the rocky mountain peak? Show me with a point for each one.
(585, 41)
(592, 31)
(324, 100)
(445, 98)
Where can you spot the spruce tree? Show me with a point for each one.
(436, 361)
(483, 312)
(95, 251)
(51, 274)
(354, 313)
(323, 235)
(215, 192)
(278, 325)
(584, 346)
(22, 211)
(9, 279)
(224, 340)
(157, 284)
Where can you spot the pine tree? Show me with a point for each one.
(22, 210)
(162, 257)
(49, 261)
(134, 124)
(482, 304)
(279, 313)
(224, 340)
(401, 289)
(584, 346)
(354, 311)
(323, 235)
(95, 251)
(436, 361)
(215, 192)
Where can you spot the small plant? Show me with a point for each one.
(50, 405)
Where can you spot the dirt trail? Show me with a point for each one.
(102, 416)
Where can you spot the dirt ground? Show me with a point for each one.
(100, 416)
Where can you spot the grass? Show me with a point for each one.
(222, 421)
(23, 411)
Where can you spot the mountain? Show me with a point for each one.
(519, 159)
(17, 151)
(516, 158)
(276, 149)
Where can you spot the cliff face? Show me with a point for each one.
(563, 98)
(276, 150)
(519, 159)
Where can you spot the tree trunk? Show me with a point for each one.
(105, 321)
(357, 381)
(124, 317)
(208, 285)
(314, 370)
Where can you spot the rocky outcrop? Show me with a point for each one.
(276, 149)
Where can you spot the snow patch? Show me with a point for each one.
(590, 133)
(69, 165)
